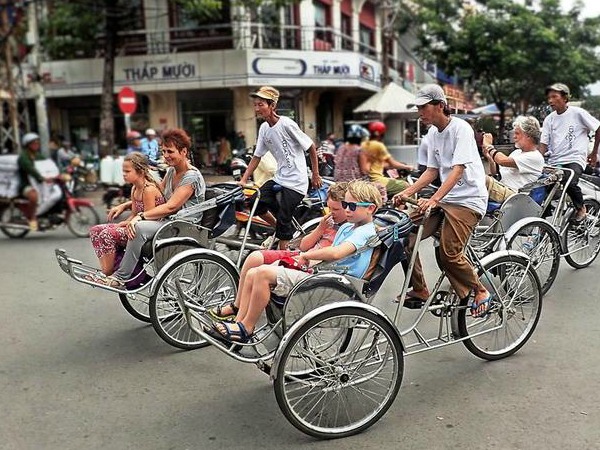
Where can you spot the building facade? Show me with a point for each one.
(325, 56)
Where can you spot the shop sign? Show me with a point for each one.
(150, 72)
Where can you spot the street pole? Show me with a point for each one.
(36, 84)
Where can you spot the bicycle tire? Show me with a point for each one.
(362, 381)
(166, 316)
(585, 235)
(539, 241)
(518, 283)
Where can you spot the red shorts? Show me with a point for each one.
(270, 256)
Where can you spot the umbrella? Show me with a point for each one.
(392, 99)
(487, 110)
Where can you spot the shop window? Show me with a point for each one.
(291, 32)
(323, 37)
(367, 41)
(346, 29)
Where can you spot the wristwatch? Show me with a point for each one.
(141, 216)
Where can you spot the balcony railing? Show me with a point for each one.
(240, 35)
(243, 35)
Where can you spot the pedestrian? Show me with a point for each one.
(458, 204)
(347, 165)
(134, 142)
(282, 137)
(565, 140)
(150, 147)
(65, 155)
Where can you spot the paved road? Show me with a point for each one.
(76, 371)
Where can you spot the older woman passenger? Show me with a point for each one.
(183, 186)
(524, 164)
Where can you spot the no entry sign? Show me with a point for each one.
(127, 100)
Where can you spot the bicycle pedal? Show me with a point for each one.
(413, 303)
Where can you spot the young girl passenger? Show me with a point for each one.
(145, 194)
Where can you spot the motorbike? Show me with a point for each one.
(78, 214)
(82, 178)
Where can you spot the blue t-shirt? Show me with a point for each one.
(357, 263)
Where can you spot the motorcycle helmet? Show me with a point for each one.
(28, 138)
(377, 128)
(133, 135)
(356, 132)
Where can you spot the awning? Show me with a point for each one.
(487, 110)
(392, 99)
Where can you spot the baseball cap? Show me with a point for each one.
(267, 93)
(150, 132)
(427, 94)
(559, 87)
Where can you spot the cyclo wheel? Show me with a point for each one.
(512, 318)
(305, 300)
(207, 281)
(582, 240)
(137, 303)
(340, 393)
(80, 220)
(539, 241)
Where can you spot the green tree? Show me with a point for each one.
(508, 51)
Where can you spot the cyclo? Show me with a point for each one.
(538, 222)
(336, 360)
(190, 228)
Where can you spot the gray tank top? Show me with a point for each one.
(193, 177)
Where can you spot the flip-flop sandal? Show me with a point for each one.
(217, 313)
(240, 335)
(476, 305)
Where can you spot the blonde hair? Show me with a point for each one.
(139, 161)
(365, 191)
(337, 191)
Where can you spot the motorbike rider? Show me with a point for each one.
(378, 159)
(134, 142)
(26, 164)
(282, 137)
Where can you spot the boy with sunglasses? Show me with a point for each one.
(322, 236)
(361, 201)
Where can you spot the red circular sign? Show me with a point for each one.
(127, 100)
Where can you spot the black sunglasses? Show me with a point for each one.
(353, 205)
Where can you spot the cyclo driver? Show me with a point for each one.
(462, 198)
(282, 137)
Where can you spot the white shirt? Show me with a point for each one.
(456, 145)
(529, 168)
(566, 135)
(288, 144)
(422, 151)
